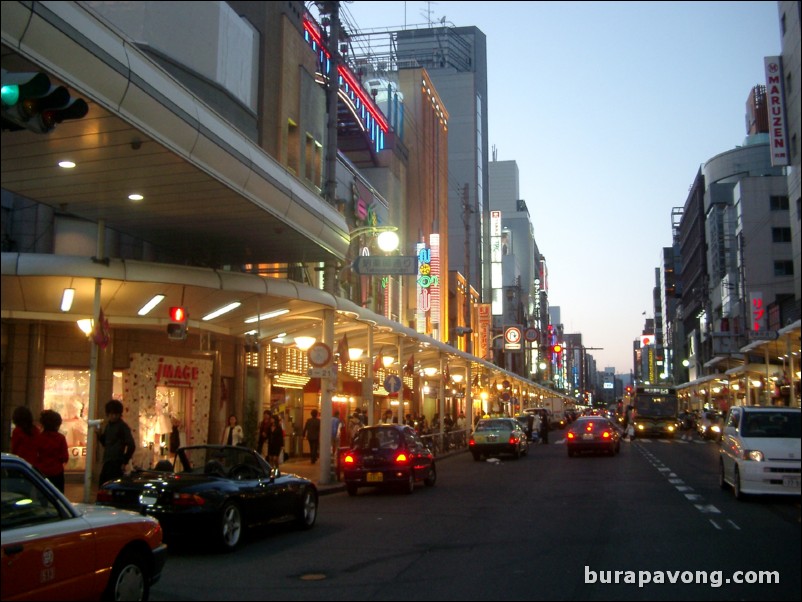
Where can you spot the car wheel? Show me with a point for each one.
(129, 578)
(307, 512)
(722, 481)
(476, 456)
(351, 489)
(432, 478)
(230, 526)
(736, 484)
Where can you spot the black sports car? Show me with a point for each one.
(217, 491)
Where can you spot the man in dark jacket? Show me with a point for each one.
(118, 443)
(312, 434)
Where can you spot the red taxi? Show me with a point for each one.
(56, 550)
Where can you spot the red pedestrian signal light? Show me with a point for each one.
(556, 348)
(177, 328)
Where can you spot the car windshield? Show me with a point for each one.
(367, 439)
(777, 424)
(214, 460)
(494, 425)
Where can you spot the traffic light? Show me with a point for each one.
(177, 328)
(556, 349)
(29, 101)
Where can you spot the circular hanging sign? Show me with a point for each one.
(319, 355)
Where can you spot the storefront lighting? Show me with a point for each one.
(223, 310)
(86, 325)
(354, 353)
(430, 371)
(304, 343)
(757, 384)
(267, 316)
(457, 378)
(388, 360)
(67, 298)
(146, 309)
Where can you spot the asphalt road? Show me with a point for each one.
(546, 527)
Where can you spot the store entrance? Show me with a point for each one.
(172, 422)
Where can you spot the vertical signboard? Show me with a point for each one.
(775, 98)
(485, 320)
(758, 312)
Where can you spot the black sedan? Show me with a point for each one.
(217, 491)
(387, 455)
(594, 434)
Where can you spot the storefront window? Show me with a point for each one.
(67, 392)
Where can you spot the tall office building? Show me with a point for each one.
(456, 60)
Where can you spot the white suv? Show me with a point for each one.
(761, 451)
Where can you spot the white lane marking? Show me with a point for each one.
(707, 509)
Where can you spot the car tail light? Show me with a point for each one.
(513, 439)
(606, 435)
(401, 458)
(570, 435)
(589, 428)
(188, 499)
(349, 459)
(103, 496)
(471, 441)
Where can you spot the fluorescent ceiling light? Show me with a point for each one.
(267, 316)
(146, 309)
(221, 311)
(67, 298)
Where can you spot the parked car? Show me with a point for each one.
(760, 451)
(594, 434)
(218, 491)
(710, 425)
(388, 455)
(56, 550)
(495, 436)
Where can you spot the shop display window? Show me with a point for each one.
(67, 392)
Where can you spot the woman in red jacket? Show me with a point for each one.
(52, 447)
(24, 435)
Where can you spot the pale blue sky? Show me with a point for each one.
(609, 109)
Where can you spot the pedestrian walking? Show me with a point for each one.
(264, 432)
(117, 441)
(275, 444)
(23, 437)
(312, 434)
(232, 435)
(52, 446)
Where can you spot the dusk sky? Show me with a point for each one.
(609, 110)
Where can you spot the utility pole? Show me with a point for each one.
(332, 91)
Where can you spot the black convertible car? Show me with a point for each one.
(217, 491)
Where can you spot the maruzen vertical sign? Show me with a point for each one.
(775, 97)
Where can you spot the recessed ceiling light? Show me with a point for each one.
(135, 197)
(66, 164)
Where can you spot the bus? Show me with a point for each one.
(656, 411)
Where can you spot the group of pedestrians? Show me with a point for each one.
(46, 448)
